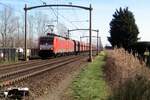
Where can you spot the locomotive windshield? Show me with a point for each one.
(46, 40)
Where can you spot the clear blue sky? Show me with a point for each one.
(102, 13)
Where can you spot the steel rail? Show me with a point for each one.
(30, 68)
(11, 66)
(11, 81)
(22, 62)
(17, 65)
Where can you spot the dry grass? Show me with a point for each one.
(123, 68)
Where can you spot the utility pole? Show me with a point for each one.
(18, 42)
(97, 42)
(90, 34)
(68, 34)
(80, 39)
(100, 44)
(25, 32)
(5, 35)
(57, 12)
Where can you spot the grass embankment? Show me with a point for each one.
(89, 84)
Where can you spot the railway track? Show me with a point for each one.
(18, 75)
(21, 62)
(5, 66)
(24, 65)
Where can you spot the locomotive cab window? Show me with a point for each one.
(48, 40)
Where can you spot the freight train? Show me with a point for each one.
(53, 45)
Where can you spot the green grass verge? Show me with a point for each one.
(89, 84)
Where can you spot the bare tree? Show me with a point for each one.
(7, 26)
(17, 35)
(41, 21)
(31, 23)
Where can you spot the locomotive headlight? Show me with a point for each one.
(51, 48)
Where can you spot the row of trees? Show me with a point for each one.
(12, 28)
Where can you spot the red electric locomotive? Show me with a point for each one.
(53, 44)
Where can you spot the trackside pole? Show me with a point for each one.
(25, 32)
(90, 34)
(97, 42)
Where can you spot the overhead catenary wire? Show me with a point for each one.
(74, 12)
(64, 18)
(44, 3)
(77, 17)
(69, 21)
(57, 13)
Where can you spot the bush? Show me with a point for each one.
(140, 47)
(133, 89)
(128, 77)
